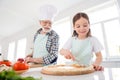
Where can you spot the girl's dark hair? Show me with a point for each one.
(77, 17)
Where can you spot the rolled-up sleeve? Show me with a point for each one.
(53, 51)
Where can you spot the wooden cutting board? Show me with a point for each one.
(67, 70)
(32, 65)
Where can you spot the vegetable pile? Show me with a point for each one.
(8, 71)
(11, 75)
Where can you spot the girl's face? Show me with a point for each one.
(46, 25)
(82, 27)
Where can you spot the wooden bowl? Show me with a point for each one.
(21, 71)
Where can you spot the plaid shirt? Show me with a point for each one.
(51, 46)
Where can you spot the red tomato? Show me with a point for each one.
(20, 65)
(6, 62)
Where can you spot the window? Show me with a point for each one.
(16, 50)
(21, 47)
(112, 31)
(106, 27)
(11, 51)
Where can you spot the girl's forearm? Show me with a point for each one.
(98, 59)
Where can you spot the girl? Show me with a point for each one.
(81, 45)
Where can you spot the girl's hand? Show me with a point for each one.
(97, 67)
(68, 55)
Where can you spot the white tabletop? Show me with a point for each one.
(107, 74)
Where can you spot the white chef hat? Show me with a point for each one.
(47, 12)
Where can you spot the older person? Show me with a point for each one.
(45, 40)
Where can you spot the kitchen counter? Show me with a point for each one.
(107, 74)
